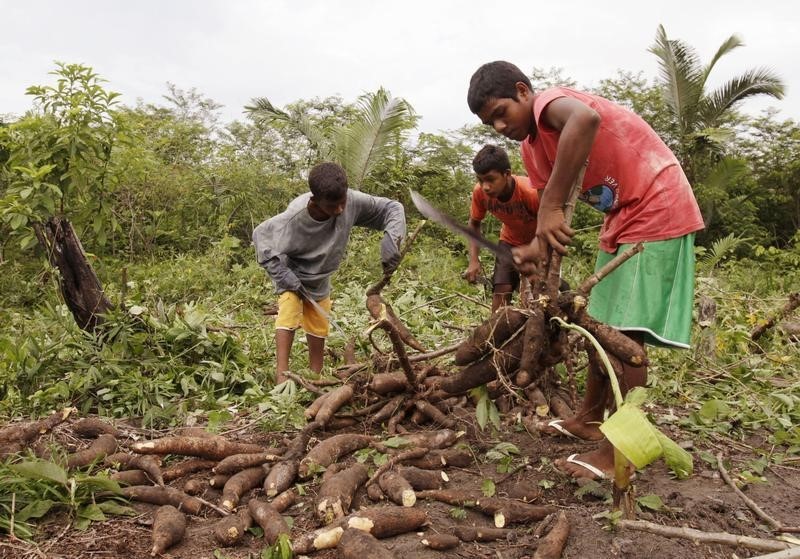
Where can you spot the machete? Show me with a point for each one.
(428, 210)
(325, 314)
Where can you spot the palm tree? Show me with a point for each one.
(701, 117)
(380, 123)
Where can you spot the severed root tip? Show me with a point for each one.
(441, 542)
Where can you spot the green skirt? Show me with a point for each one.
(653, 292)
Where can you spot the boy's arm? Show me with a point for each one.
(275, 263)
(284, 278)
(379, 213)
(474, 267)
(578, 125)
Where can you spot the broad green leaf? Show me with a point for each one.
(636, 396)
(677, 459)
(482, 411)
(112, 507)
(36, 509)
(27, 241)
(714, 409)
(487, 488)
(395, 442)
(40, 469)
(652, 502)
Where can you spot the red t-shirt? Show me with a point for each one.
(518, 214)
(632, 175)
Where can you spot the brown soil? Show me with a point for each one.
(704, 502)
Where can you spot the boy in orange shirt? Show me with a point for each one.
(636, 181)
(513, 201)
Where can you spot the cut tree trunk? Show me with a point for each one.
(80, 287)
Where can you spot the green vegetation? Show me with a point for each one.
(164, 199)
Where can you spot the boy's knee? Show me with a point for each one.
(290, 311)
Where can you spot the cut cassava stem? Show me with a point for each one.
(239, 484)
(381, 312)
(215, 448)
(587, 285)
(169, 526)
(336, 493)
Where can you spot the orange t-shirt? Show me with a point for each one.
(518, 214)
(632, 175)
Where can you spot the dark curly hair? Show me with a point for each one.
(491, 158)
(327, 181)
(494, 80)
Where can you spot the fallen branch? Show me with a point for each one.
(587, 285)
(792, 553)
(698, 536)
(791, 304)
(774, 524)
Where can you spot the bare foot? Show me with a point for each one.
(575, 427)
(597, 464)
(279, 378)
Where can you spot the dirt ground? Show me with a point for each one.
(703, 502)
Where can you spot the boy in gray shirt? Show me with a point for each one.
(302, 247)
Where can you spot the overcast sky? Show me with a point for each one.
(422, 50)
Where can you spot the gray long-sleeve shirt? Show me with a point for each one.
(297, 249)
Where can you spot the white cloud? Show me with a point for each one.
(422, 50)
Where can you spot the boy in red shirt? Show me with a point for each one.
(631, 176)
(513, 201)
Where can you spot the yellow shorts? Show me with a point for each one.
(294, 312)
